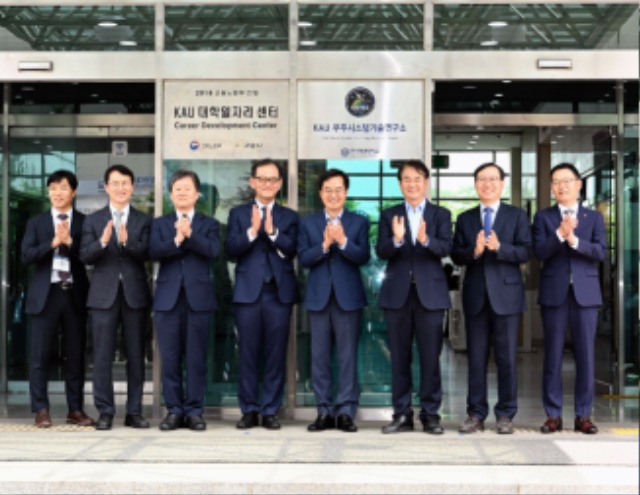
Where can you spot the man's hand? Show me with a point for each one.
(398, 228)
(106, 233)
(480, 244)
(492, 242)
(337, 232)
(268, 221)
(255, 221)
(421, 236)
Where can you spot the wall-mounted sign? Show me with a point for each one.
(364, 119)
(226, 120)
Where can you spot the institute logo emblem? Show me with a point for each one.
(360, 102)
(194, 145)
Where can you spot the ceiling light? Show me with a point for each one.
(560, 136)
(554, 142)
(128, 43)
(507, 81)
(305, 24)
(26, 88)
(473, 142)
(94, 95)
(469, 147)
(489, 43)
(497, 24)
(498, 95)
(468, 87)
(107, 24)
(307, 43)
(475, 137)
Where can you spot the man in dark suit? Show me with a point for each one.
(491, 240)
(334, 244)
(262, 238)
(413, 237)
(184, 242)
(570, 240)
(115, 241)
(56, 298)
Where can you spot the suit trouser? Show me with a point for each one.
(583, 322)
(333, 324)
(105, 324)
(60, 310)
(427, 325)
(484, 330)
(183, 336)
(263, 333)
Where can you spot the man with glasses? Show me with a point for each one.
(262, 238)
(57, 298)
(115, 241)
(570, 240)
(491, 241)
(413, 237)
(334, 244)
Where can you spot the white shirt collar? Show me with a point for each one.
(419, 208)
(190, 214)
(55, 213)
(494, 206)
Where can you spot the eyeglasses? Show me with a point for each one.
(272, 181)
(119, 184)
(329, 191)
(563, 182)
(492, 180)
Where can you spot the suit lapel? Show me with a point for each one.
(76, 228)
(401, 211)
(500, 219)
(49, 226)
(320, 222)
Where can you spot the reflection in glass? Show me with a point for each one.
(77, 28)
(361, 27)
(548, 26)
(226, 27)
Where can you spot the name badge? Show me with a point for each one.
(61, 264)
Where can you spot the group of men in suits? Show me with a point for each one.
(491, 240)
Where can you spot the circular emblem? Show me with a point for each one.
(194, 145)
(360, 102)
(344, 152)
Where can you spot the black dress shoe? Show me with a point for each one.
(105, 421)
(322, 422)
(400, 423)
(171, 422)
(345, 423)
(196, 423)
(270, 422)
(431, 424)
(248, 420)
(135, 421)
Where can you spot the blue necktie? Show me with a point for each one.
(487, 221)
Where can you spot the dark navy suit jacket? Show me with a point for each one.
(495, 276)
(251, 256)
(36, 249)
(186, 265)
(415, 261)
(562, 262)
(338, 269)
(111, 261)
